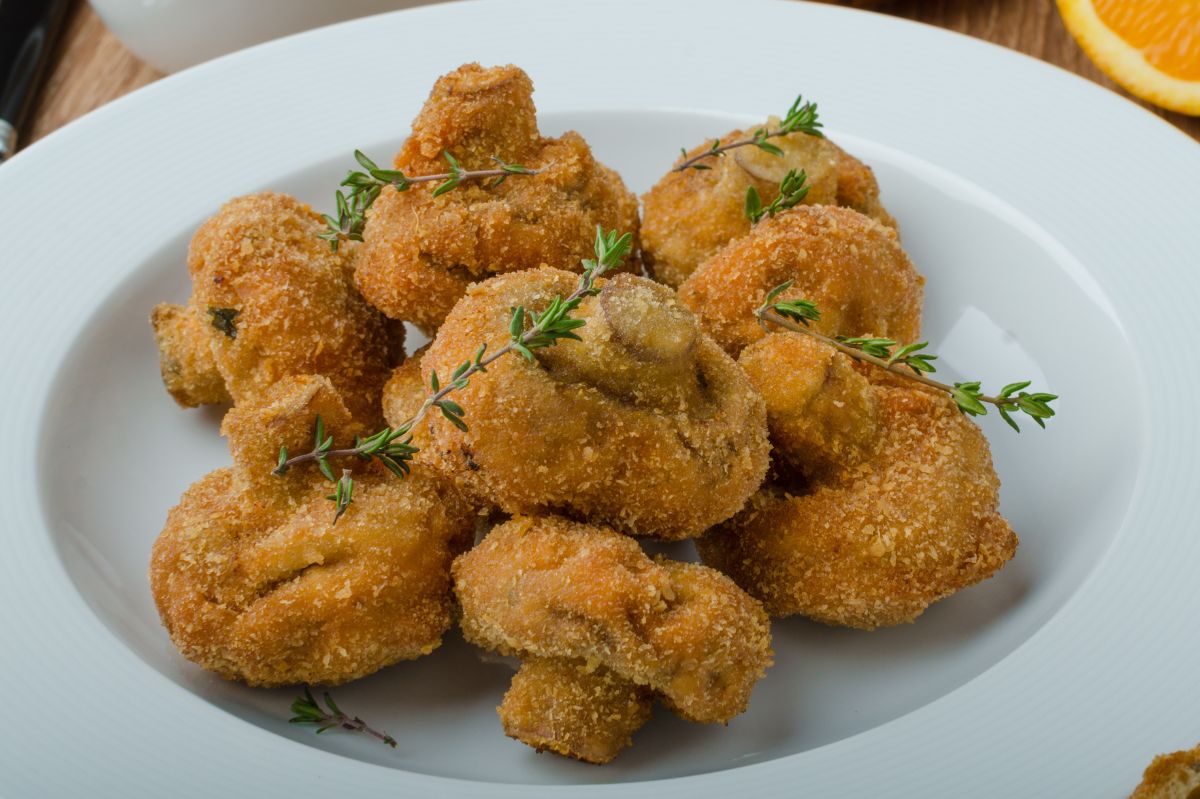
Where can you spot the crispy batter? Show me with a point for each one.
(688, 216)
(549, 587)
(858, 189)
(876, 540)
(645, 424)
(565, 707)
(185, 356)
(851, 266)
(821, 412)
(252, 580)
(420, 252)
(291, 308)
(1173, 776)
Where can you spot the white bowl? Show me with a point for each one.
(1047, 257)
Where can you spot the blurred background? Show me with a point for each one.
(95, 52)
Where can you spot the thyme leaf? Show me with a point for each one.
(223, 319)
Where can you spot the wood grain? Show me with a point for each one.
(92, 67)
(1032, 27)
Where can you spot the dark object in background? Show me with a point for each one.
(28, 30)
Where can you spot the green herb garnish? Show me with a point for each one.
(908, 361)
(306, 710)
(222, 319)
(365, 187)
(800, 118)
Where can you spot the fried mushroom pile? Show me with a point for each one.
(269, 301)
(688, 216)
(851, 266)
(254, 582)
(665, 408)
(889, 502)
(421, 252)
(612, 623)
(644, 423)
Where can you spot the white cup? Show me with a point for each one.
(171, 35)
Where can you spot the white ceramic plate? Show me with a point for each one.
(1055, 222)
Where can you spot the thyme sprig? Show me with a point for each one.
(908, 361)
(389, 446)
(528, 331)
(365, 187)
(792, 191)
(307, 710)
(800, 118)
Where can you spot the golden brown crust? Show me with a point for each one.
(858, 189)
(688, 216)
(548, 587)
(851, 266)
(420, 252)
(1173, 776)
(185, 358)
(294, 310)
(822, 413)
(874, 541)
(563, 706)
(253, 581)
(656, 433)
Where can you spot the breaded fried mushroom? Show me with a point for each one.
(421, 252)
(644, 423)
(565, 707)
(254, 581)
(822, 412)
(688, 216)
(1173, 776)
(269, 301)
(547, 587)
(851, 266)
(900, 508)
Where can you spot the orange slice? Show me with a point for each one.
(1151, 47)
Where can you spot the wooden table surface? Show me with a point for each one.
(92, 67)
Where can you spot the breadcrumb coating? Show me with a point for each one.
(688, 216)
(420, 252)
(857, 189)
(909, 518)
(565, 707)
(185, 356)
(549, 587)
(253, 581)
(821, 411)
(644, 424)
(851, 266)
(292, 310)
(1173, 776)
